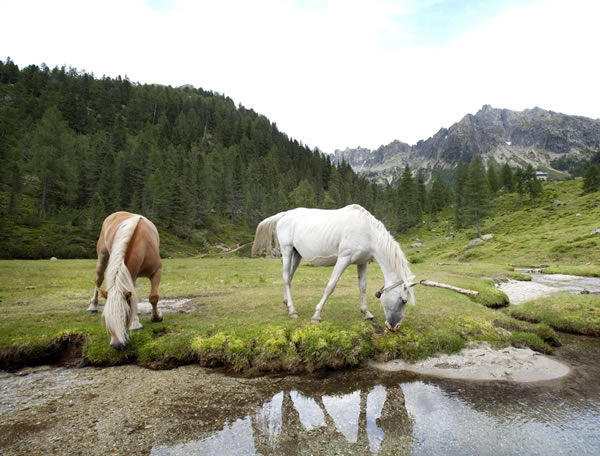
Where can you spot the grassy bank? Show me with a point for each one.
(236, 317)
(578, 314)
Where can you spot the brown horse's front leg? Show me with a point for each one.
(100, 268)
(153, 298)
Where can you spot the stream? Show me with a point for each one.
(196, 411)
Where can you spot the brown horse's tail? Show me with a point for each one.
(120, 286)
(265, 234)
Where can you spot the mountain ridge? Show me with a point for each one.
(548, 140)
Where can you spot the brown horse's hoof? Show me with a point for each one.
(91, 312)
(157, 320)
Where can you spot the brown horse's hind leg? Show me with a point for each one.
(153, 298)
(100, 268)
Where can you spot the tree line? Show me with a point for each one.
(75, 148)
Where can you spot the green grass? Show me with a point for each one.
(239, 320)
(579, 314)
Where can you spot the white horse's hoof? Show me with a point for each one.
(315, 320)
(294, 315)
(92, 311)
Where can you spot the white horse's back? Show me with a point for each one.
(320, 235)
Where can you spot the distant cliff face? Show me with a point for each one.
(534, 136)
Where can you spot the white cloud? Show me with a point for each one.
(334, 74)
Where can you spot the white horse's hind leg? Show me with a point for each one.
(362, 286)
(287, 254)
(341, 264)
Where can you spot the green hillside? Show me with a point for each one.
(523, 234)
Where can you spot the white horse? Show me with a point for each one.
(340, 237)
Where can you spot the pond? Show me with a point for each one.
(195, 411)
(418, 416)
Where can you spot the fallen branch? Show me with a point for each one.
(429, 283)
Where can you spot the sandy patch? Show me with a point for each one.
(519, 292)
(178, 305)
(481, 362)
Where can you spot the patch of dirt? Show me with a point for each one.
(481, 362)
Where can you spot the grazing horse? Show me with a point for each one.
(127, 248)
(339, 238)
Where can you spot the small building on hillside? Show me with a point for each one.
(541, 176)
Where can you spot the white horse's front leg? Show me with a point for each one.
(287, 255)
(362, 286)
(340, 266)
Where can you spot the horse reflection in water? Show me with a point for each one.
(296, 422)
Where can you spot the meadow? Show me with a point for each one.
(237, 319)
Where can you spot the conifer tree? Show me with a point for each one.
(591, 179)
(409, 209)
(533, 185)
(476, 194)
(507, 179)
(493, 179)
(437, 199)
(52, 160)
(462, 174)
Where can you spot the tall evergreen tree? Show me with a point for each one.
(437, 196)
(533, 185)
(493, 179)
(409, 209)
(591, 179)
(462, 174)
(507, 179)
(53, 162)
(476, 194)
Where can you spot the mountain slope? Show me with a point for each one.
(549, 141)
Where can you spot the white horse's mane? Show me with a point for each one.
(388, 246)
(118, 278)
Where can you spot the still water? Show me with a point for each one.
(366, 412)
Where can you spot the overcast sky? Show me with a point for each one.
(332, 74)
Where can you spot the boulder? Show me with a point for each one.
(557, 203)
(596, 231)
(416, 244)
(487, 237)
(473, 243)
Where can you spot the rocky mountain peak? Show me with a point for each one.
(534, 136)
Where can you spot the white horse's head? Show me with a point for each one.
(393, 300)
(117, 316)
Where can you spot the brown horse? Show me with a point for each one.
(127, 249)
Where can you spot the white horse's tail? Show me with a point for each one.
(265, 233)
(120, 286)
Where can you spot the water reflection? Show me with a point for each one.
(369, 413)
(300, 422)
